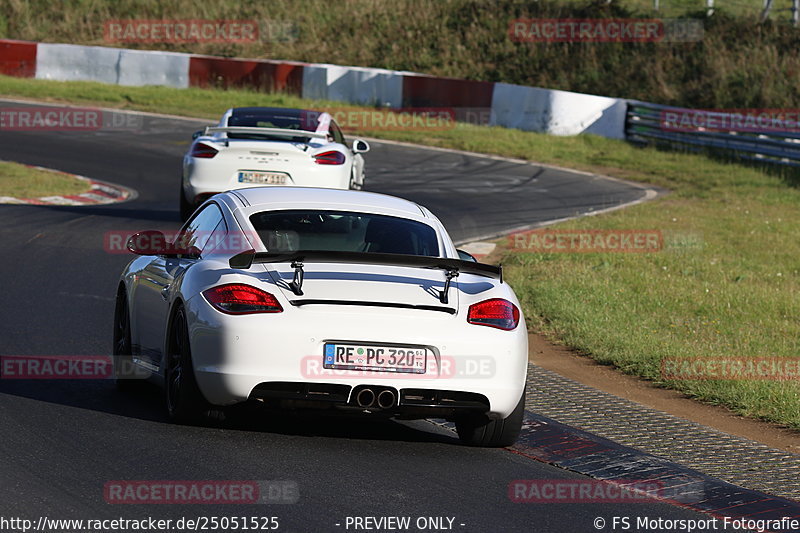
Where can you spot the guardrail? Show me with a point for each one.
(647, 123)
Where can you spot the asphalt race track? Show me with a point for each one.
(62, 441)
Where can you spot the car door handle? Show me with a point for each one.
(165, 292)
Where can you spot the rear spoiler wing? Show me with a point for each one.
(246, 259)
(452, 267)
(280, 132)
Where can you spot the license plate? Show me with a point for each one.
(407, 359)
(264, 178)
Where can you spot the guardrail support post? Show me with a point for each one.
(765, 12)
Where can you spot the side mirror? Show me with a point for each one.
(360, 147)
(153, 242)
(150, 242)
(466, 256)
(197, 134)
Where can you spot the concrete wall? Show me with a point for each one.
(499, 104)
(354, 85)
(557, 112)
(68, 62)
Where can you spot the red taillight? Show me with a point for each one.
(329, 158)
(203, 150)
(495, 313)
(238, 299)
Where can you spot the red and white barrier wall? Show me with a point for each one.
(499, 104)
(18, 58)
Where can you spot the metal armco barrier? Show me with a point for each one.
(647, 123)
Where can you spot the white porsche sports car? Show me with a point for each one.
(321, 298)
(269, 146)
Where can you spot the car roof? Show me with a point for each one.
(280, 111)
(335, 199)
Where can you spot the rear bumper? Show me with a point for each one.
(375, 399)
(209, 176)
(243, 357)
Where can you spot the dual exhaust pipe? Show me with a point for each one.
(375, 397)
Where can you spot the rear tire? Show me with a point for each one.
(187, 208)
(185, 402)
(479, 430)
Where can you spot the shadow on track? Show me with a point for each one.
(129, 211)
(145, 402)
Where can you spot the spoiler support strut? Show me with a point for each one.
(297, 283)
(449, 276)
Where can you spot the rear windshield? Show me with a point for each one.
(271, 120)
(289, 231)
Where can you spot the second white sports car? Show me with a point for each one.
(267, 146)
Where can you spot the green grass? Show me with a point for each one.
(21, 181)
(676, 8)
(727, 284)
(738, 63)
(187, 102)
